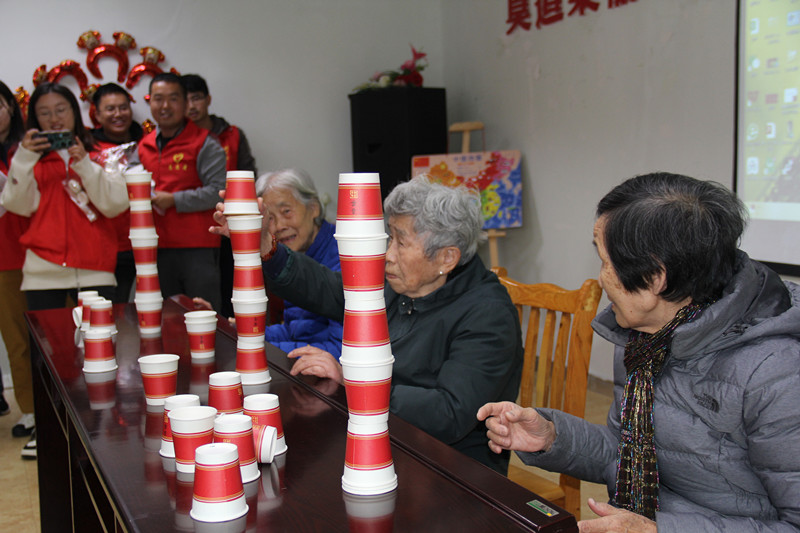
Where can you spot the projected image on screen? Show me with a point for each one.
(768, 130)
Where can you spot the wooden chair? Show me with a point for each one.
(556, 364)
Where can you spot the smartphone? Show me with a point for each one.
(58, 139)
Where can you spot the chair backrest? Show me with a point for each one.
(557, 353)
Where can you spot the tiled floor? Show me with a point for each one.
(19, 485)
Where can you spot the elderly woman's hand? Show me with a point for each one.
(511, 427)
(613, 520)
(312, 361)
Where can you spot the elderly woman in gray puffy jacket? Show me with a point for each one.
(704, 432)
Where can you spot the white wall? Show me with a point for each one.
(589, 100)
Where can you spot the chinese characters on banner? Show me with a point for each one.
(551, 11)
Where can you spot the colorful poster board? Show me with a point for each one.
(496, 175)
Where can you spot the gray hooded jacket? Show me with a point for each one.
(726, 413)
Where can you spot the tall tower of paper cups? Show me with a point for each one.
(144, 241)
(366, 353)
(249, 295)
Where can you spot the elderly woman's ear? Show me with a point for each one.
(448, 258)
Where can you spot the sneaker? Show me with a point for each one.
(25, 426)
(4, 408)
(29, 450)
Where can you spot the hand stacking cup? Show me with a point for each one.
(225, 392)
(98, 350)
(149, 314)
(159, 376)
(170, 404)
(265, 411)
(363, 261)
(368, 387)
(240, 193)
(251, 360)
(202, 329)
(191, 427)
(368, 465)
(218, 490)
(359, 208)
(245, 232)
(238, 430)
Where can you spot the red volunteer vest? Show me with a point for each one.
(59, 231)
(229, 139)
(121, 222)
(175, 169)
(11, 229)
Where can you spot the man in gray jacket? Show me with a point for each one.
(704, 431)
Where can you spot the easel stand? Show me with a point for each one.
(466, 129)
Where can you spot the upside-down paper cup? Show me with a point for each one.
(202, 329)
(368, 387)
(265, 411)
(191, 427)
(159, 376)
(240, 193)
(368, 465)
(245, 232)
(251, 360)
(138, 184)
(359, 209)
(218, 490)
(86, 294)
(149, 314)
(365, 323)
(266, 442)
(145, 250)
(86, 310)
(171, 403)
(98, 350)
(248, 282)
(363, 261)
(102, 389)
(238, 430)
(102, 315)
(225, 392)
(251, 317)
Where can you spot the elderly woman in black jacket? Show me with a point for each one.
(454, 332)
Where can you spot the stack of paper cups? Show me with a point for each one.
(249, 297)
(202, 329)
(366, 351)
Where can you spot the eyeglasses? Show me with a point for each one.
(47, 114)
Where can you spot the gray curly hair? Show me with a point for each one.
(299, 182)
(443, 216)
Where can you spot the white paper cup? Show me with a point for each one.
(245, 230)
(102, 315)
(86, 294)
(98, 351)
(191, 427)
(159, 376)
(149, 313)
(86, 311)
(137, 176)
(225, 392)
(359, 206)
(238, 430)
(171, 403)
(368, 467)
(218, 490)
(368, 387)
(202, 329)
(265, 411)
(266, 443)
(251, 360)
(251, 317)
(77, 314)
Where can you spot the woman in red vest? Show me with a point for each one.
(71, 244)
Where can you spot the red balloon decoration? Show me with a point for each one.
(90, 40)
(71, 68)
(152, 56)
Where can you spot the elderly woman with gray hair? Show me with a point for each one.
(455, 333)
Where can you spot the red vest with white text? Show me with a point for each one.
(121, 222)
(175, 169)
(60, 232)
(229, 139)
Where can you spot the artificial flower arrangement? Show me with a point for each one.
(408, 75)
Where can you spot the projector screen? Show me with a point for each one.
(768, 130)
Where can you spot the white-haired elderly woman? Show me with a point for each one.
(295, 215)
(455, 333)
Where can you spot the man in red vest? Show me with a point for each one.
(188, 166)
(238, 157)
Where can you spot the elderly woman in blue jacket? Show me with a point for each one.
(704, 431)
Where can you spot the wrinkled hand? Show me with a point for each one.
(511, 427)
(614, 520)
(33, 143)
(223, 229)
(312, 361)
(77, 151)
(163, 200)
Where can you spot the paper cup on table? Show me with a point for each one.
(191, 427)
(225, 392)
(159, 376)
(101, 388)
(266, 443)
(368, 466)
(218, 490)
(251, 317)
(86, 310)
(240, 193)
(245, 232)
(202, 329)
(102, 315)
(149, 314)
(359, 207)
(370, 514)
(368, 387)
(98, 350)
(174, 402)
(251, 360)
(86, 294)
(238, 430)
(265, 411)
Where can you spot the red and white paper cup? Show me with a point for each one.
(240, 193)
(139, 185)
(359, 207)
(365, 323)
(174, 402)
(191, 427)
(265, 439)
(218, 489)
(251, 317)
(98, 350)
(148, 286)
(245, 232)
(102, 315)
(202, 329)
(238, 430)
(149, 314)
(266, 411)
(145, 250)
(251, 360)
(248, 283)
(159, 376)
(368, 387)
(86, 310)
(225, 392)
(368, 465)
(363, 261)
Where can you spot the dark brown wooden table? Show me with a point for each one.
(99, 467)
